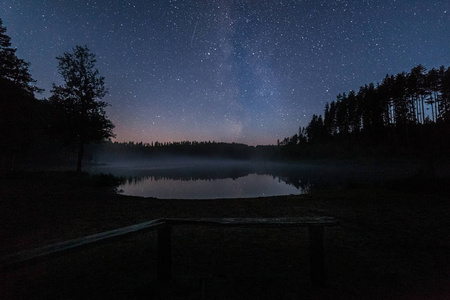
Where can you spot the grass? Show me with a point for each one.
(392, 242)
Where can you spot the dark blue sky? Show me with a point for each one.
(248, 71)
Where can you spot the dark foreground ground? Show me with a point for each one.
(393, 242)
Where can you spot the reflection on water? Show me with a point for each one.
(252, 185)
(231, 179)
(207, 180)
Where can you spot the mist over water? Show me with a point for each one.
(252, 185)
(200, 179)
(180, 178)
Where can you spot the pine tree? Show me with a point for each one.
(77, 102)
(18, 106)
(14, 72)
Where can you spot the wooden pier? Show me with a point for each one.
(164, 227)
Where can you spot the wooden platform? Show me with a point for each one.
(315, 225)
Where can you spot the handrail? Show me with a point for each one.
(29, 255)
(255, 222)
(315, 225)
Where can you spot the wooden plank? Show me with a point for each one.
(164, 253)
(153, 224)
(29, 255)
(255, 222)
(315, 224)
(317, 267)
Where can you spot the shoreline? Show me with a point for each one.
(390, 244)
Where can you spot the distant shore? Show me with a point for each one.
(392, 243)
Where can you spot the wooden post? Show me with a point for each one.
(164, 254)
(316, 256)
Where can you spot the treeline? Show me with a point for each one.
(405, 113)
(116, 151)
(22, 118)
(51, 132)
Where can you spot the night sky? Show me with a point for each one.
(247, 71)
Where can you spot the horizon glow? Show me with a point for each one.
(237, 71)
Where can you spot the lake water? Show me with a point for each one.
(252, 185)
(204, 180)
(231, 179)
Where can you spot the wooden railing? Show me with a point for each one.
(164, 226)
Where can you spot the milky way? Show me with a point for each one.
(224, 70)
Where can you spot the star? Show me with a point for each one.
(236, 70)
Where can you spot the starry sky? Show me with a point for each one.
(245, 71)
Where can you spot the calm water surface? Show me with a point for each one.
(230, 179)
(200, 180)
(252, 185)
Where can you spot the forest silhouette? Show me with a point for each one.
(405, 114)
(36, 133)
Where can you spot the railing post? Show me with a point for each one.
(164, 253)
(316, 256)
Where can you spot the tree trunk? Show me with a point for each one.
(423, 108)
(80, 156)
(432, 111)
(436, 98)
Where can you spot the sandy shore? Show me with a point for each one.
(391, 244)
